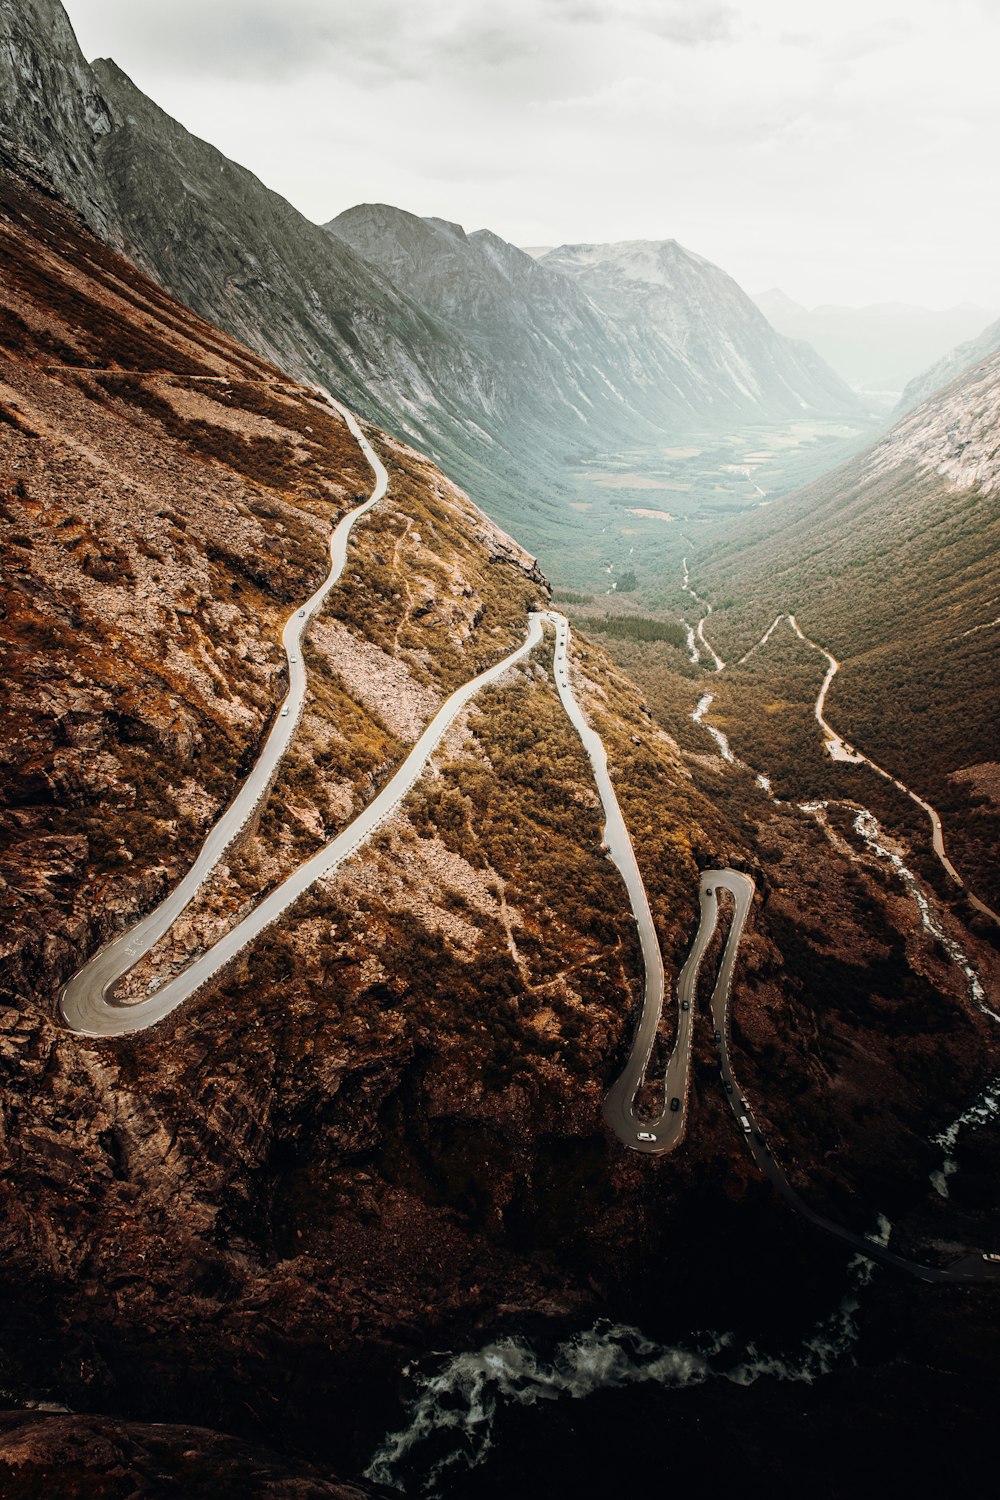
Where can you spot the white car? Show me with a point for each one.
(302, 614)
(645, 1135)
(284, 712)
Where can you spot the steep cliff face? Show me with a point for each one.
(706, 349)
(954, 432)
(566, 375)
(53, 106)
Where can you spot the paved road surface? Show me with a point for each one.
(969, 1268)
(700, 629)
(617, 1106)
(840, 750)
(114, 960)
(87, 1001)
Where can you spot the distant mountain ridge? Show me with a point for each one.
(698, 336)
(954, 363)
(877, 348)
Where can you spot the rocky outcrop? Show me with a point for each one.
(63, 1456)
(954, 431)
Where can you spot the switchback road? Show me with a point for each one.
(87, 1001)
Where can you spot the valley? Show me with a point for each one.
(635, 512)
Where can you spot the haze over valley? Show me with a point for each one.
(499, 913)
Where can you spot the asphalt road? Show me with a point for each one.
(618, 1105)
(840, 750)
(972, 1267)
(87, 1002)
(88, 1005)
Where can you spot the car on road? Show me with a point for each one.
(989, 1255)
(745, 1125)
(284, 712)
(645, 1135)
(675, 1104)
(718, 1036)
(729, 1088)
(302, 614)
(685, 1005)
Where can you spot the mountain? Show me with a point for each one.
(378, 1134)
(561, 366)
(231, 249)
(645, 328)
(386, 1069)
(239, 254)
(704, 349)
(956, 362)
(879, 348)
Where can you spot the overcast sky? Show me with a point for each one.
(844, 151)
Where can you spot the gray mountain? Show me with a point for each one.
(704, 346)
(877, 348)
(498, 366)
(954, 363)
(560, 363)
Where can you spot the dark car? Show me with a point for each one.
(675, 1104)
(685, 1005)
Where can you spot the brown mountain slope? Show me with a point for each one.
(382, 1127)
(892, 563)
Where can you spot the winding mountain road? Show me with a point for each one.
(88, 1005)
(719, 664)
(969, 1268)
(839, 749)
(87, 1002)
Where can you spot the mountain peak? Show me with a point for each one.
(454, 230)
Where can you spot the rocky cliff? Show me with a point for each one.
(704, 346)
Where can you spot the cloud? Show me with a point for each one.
(687, 22)
(852, 141)
(240, 39)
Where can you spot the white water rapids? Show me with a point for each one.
(867, 825)
(455, 1407)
